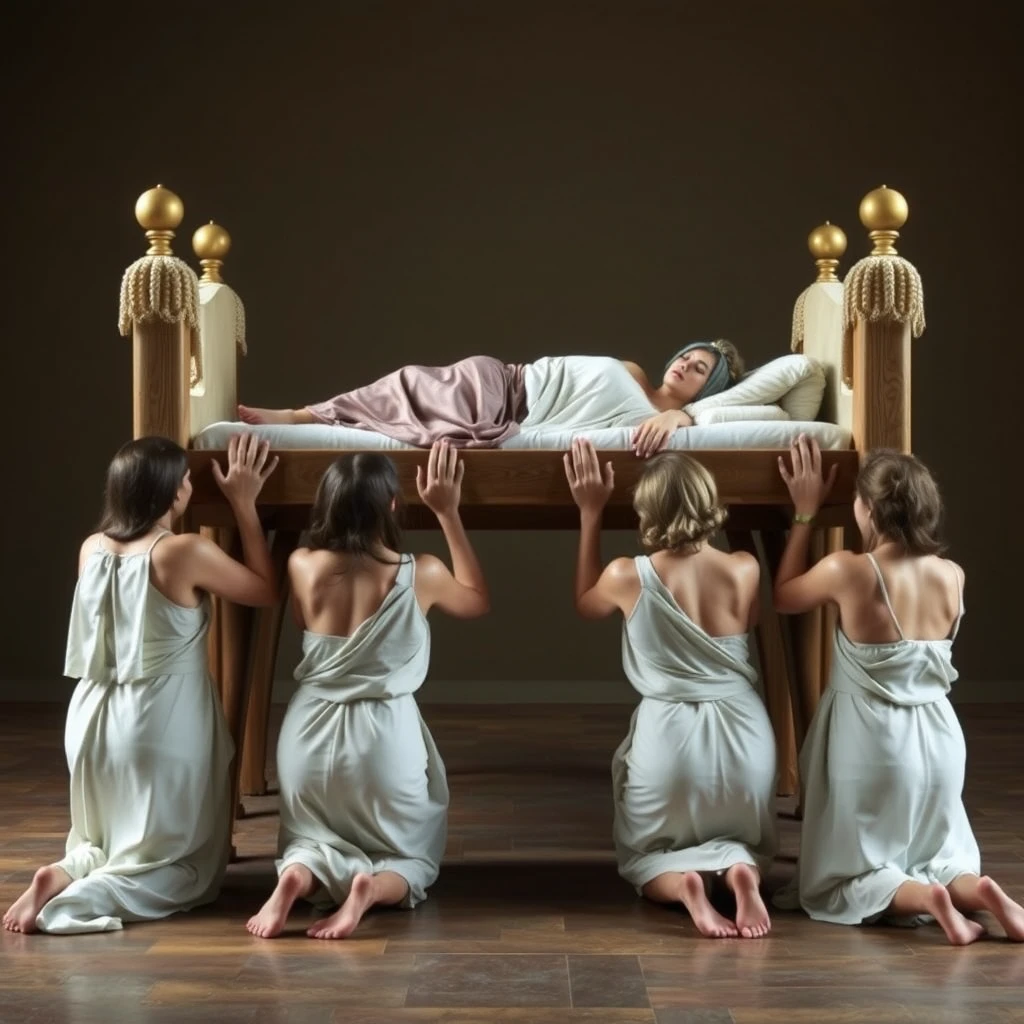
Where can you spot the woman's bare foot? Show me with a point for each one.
(752, 918)
(960, 931)
(295, 882)
(279, 417)
(1009, 914)
(342, 923)
(707, 920)
(46, 883)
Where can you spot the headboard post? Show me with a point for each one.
(159, 308)
(818, 323)
(883, 308)
(214, 363)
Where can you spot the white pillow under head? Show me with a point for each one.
(739, 414)
(795, 382)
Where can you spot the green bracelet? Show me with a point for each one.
(803, 517)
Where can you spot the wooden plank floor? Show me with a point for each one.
(528, 922)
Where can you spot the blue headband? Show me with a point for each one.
(718, 379)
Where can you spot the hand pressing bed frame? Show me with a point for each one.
(188, 333)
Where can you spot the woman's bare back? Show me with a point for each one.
(716, 590)
(924, 591)
(335, 593)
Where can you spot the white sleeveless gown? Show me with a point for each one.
(148, 751)
(883, 770)
(363, 787)
(694, 780)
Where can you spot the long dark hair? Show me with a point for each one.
(352, 509)
(142, 482)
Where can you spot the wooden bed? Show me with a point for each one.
(185, 378)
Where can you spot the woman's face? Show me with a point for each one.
(686, 375)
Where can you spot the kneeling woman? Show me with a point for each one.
(364, 798)
(147, 746)
(694, 781)
(885, 832)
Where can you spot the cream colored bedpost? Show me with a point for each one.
(159, 308)
(818, 324)
(214, 363)
(883, 307)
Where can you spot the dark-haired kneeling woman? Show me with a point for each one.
(364, 797)
(147, 746)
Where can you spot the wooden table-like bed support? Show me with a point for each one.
(185, 378)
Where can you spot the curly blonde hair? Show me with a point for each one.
(677, 502)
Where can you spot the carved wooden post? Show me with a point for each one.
(159, 308)
(883, 306)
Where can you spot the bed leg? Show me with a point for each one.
(808, 647)
(835, 540)
(267, 635)
(234, 623)
(774, 671)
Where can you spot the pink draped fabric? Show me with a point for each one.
(475, 403)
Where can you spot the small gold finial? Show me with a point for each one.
(159, 211)
(883, 211)
(211, 244)
(827, 244)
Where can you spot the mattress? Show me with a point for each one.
(745, 434)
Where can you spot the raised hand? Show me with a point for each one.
(440, 485)
(249, 466)
(590, 488)
(807, 486)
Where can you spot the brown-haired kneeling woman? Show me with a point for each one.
(885, 831)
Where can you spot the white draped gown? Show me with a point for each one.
(363, 787)
(883, 769)
(148, 751)
(694, 779)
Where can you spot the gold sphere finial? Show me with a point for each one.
(211, 244)
(159, 211)
(827, 244)
(883, 211)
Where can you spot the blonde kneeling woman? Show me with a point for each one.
(364, 798)
(694, 780)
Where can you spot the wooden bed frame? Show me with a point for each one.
(868, 392)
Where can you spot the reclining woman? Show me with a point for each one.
(481, 402)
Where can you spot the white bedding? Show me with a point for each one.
(744, 434)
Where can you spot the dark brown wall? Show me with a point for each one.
(423, 181)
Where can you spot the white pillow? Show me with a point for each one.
(796, 382)
(739, 413)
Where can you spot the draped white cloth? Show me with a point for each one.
(363, 787)
(883, 770)
(694, 780)
(148, 751)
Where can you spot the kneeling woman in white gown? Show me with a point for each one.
(885, 833)
(147, 746)
(364, 798)
(694, 780)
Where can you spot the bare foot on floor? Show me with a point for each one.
(247, 414)
(295, 881)
(960, 931)
(752, 918)
(342, 923)
(707, 920)
(1009, 914)
(46, 884)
